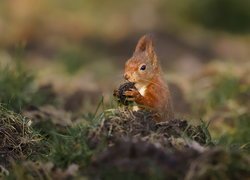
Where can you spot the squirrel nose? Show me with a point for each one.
(126, 76)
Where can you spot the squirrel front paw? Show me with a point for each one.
(132, 94)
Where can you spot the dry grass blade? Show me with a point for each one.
(16, 136)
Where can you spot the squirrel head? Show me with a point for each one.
(143, 65)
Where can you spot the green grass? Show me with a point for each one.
(239, 139)
(226, 87)
(69, 148)
(18, 89)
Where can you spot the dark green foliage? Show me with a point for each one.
(69, 148)
(244, 95)
(47, 128)
(73, 58)
(204, 129)
(242, 134)
(228, 15)
(44, 95)
(226, 87)
(240, 138)
(16, 87)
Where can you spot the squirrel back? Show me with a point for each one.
(144, 70)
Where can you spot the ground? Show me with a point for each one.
(61, 62)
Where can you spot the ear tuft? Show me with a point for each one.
(145, 45)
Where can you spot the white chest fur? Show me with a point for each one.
(141, 88)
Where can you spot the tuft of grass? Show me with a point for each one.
(240, 138)
(16, 87)
(18, 90)
(17, 138)
(199, 133)
(226, 87)
(70, 147)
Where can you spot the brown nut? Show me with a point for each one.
(119, 93)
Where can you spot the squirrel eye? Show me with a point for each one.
(143, 67)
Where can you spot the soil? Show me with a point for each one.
(141, 157)
(128, 124)
(138, 147)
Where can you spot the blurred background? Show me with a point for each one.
(70, 54)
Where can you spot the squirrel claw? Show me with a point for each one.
(130, 99)
(127, 93)
(132, 92)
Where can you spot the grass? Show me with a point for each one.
(18, 90)
(116, 143)
(239, 139)
(16, 87)
(226, 87)
(17, 139)
(71, 147)
(226, 97)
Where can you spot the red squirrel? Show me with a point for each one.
(151, 91)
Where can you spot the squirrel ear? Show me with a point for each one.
(145, 44)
